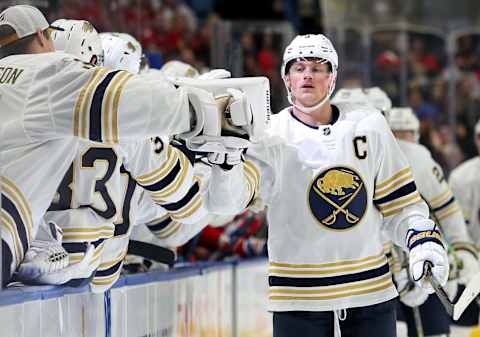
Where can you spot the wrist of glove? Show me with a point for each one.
(47, 262)
(218, 121)
(427, 246)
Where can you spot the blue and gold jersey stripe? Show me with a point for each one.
(327, 281)
(397, 192)
(16, 217)
(164, 227)
(96, 108)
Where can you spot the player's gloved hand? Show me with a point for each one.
(226, 160)
(219, 129)
(425, 244)
(47, 262)
(215, 74)
(410, 293)
(467, 265)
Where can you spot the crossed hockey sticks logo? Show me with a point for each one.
(350, 217)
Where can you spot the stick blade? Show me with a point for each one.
(468, 295)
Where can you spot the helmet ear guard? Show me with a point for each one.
(306, 47)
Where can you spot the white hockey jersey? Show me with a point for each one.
(465, 184)
(436, 192)
(110, 182)
(330, 191)
(46, 100)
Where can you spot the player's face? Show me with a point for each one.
(309, 81)
(409, 136)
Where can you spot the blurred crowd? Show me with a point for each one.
(446, 99)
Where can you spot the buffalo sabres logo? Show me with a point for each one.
(338, 198)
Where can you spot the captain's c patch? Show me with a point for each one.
(337, 198)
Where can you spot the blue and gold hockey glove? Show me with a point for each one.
(425, 244)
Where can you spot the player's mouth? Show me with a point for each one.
(307, 86)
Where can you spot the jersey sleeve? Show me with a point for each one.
(443, 206)
(103, 105)
(463, 193)
(395, 193)
(250, 185)
(166, 172)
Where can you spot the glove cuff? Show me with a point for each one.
(415, 237)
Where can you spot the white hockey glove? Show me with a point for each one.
(225, 159)
(219, 127)
(467, 265)
(47, 262)
(410, 293)
(425, 244)
(215, 74)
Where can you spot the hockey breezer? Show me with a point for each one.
(455, 310)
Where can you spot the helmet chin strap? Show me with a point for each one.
(305, 109)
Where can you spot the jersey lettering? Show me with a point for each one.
(358, 142)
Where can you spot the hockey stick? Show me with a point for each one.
(455, 310)
(418, 321)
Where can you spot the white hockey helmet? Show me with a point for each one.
(179, 69)
(378, 98)
(80, 39)
(404, 119)
(120, 52)
(350, 95)
(305, 47)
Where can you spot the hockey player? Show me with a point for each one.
(48, 100)
(465, 185)
(99, 199)
(334, 178)
(445, 211)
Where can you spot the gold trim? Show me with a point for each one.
(80, 101)
(398, 210)
(107, 102)
(438, 200)
(387, 284)
(386, 191)
(116, 103)
(159, 173)
(330, 264)
(363, 267)
(356, 285)
(398, 202)
(10, 226)
(393, 178)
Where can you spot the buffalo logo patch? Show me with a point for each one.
(337, 198)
